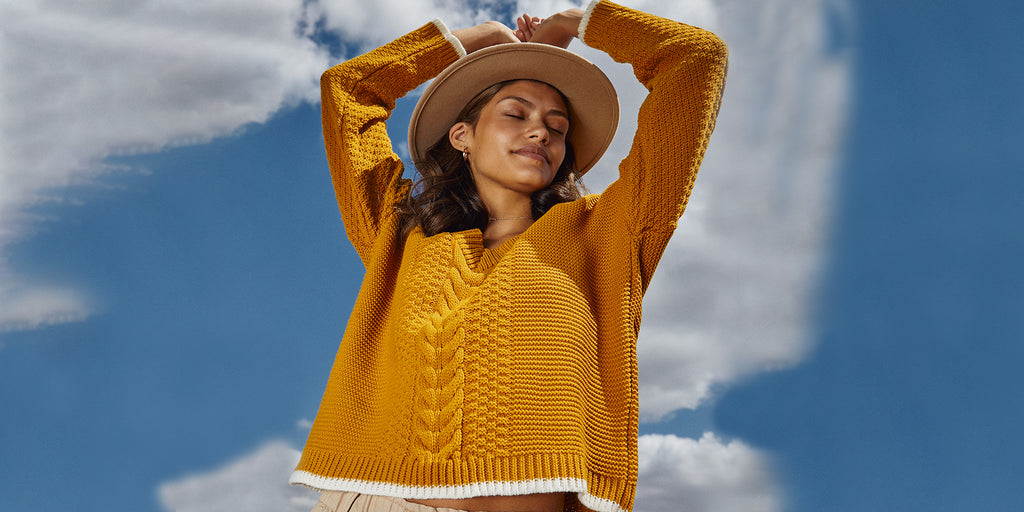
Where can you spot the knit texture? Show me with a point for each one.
(466, 370)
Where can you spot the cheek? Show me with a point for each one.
(560, 157)
(492, 139)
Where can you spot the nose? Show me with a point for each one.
(538, 131)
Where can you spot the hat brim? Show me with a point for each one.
(593, 104)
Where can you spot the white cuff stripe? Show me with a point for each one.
(454, 41)
(586, 19)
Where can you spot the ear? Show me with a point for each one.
(460, 135)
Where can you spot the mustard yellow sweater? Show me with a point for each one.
(468, 371)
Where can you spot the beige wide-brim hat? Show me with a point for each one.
(593, 105)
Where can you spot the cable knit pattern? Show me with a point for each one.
(438, 405)
(468, 371)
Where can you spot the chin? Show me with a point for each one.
(534, 180)
(532, 186)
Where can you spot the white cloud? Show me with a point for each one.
(703, 475)
(257, 482)
(24, 308)
(86, 80)
(370, 24)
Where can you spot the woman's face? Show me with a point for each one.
(518, 142)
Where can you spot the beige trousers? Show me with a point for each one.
(338, 501)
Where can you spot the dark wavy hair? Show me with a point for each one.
(444, 198)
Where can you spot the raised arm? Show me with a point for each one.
(683, 68)
(358, 96)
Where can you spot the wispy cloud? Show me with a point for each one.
(86, 80)
(23, 308)
(257, 482)
(704, 475)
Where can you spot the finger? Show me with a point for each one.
(523, 29)
(528, 25)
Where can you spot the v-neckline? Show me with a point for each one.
(479, 257)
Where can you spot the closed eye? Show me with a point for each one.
(523, 117)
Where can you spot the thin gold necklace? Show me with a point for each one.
(510, 218)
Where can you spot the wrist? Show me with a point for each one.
(481, 36)
(569, 21)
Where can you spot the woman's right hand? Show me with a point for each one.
(483, 35)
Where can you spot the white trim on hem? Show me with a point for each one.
(494, 488)
(599, 504)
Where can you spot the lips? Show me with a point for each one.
(535, 152)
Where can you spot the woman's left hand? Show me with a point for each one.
(526, 25)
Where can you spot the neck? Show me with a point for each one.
(509, 213)
(498, 231)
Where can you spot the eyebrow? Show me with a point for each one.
(529, 103)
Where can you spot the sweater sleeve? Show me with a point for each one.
(357, 97)
(683, 68)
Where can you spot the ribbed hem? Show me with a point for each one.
(459, 472)
(454, 41)
(492, 488)
(484, 476)
(586, 19)
(549, 485)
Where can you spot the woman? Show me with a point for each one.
(490, 360)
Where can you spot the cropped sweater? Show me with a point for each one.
(466, 370)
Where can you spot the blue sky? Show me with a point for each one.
(842, 308)
(912, 400)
